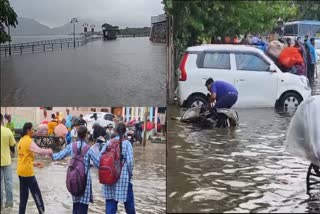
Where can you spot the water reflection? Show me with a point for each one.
(148, 184)
(235, 170)
(114, 72)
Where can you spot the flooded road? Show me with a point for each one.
(236, 170)
(124, 72)
(149, 184)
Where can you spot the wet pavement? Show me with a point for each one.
(149, 184)
(236, 170)
(124, 72)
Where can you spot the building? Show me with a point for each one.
(36, 115)
(158, 31)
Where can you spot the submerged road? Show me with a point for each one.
(124, 72)
(245, 169)
(149, 184)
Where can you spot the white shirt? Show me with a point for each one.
(74, 133)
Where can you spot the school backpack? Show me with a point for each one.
(110, 163)
(76, 176)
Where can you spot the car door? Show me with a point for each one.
(214, 64)
(256, 84)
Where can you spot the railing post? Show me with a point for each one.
(68, 44)
(44, 48)
(32, 48)
(21, 50)
(61, 45)
(52, 46)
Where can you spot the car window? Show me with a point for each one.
(109, 117)
(250, 62)
(216, 60)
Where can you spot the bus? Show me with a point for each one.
(302, 28)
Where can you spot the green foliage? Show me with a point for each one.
(308, 10)
(135, 31)
(126, 31)
(196, 21)
(7, 18)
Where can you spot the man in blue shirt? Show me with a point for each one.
(225, 94)
(312, 57)
(68, 120)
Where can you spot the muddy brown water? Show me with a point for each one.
(124, 72)
(236, 170)
(149, 184)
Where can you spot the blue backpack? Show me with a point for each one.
(68, 138)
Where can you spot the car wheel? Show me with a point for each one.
(290, 101)
(197, 101)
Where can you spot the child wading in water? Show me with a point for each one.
(80, 202)
(122, 190)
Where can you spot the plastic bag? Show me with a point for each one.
(289, 57)
(303, 135)
(42, 130)
(60, 130)
(275, 48)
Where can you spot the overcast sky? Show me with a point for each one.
(124, 13)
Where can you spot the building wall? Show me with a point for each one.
(36, 115)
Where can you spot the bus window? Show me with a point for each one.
(305, 29)
(291, 29)
(316, 30)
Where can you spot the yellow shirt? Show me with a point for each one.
(7, 140)
(25, 157)
(51, 126)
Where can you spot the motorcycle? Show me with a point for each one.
(134, 134)
(205, 118)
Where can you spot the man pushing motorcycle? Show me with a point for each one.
(222, 93)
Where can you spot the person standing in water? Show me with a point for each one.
(122, 190)
(26, 149)
(7, 140)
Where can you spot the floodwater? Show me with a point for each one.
(236, 170)
(124, 72)
(149, 184)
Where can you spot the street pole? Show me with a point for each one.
(145, 126)
(74, 21)
(74, 34)
(9, 40)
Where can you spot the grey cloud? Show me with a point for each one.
(131, 13)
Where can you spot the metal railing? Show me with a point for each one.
(45, 45)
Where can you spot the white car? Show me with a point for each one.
(103, 118)
(259, 81)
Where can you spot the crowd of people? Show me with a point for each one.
(120, 191)
(297, 57)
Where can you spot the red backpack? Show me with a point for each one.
(110, 163)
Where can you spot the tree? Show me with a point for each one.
(197, 21)
(308, 10)
(109, 27)
(7, 18)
